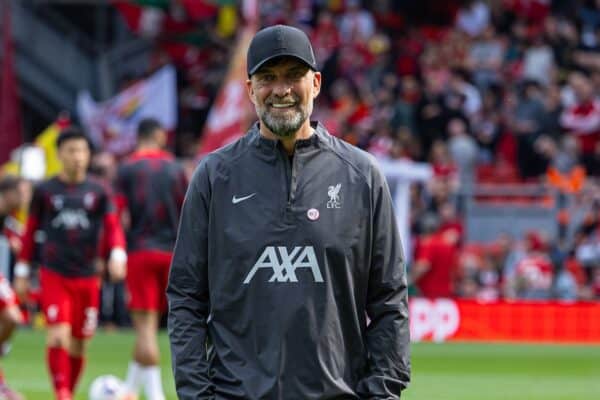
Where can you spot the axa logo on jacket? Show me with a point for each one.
(283, 263)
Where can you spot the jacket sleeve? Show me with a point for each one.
(387, 336)
(187, 293)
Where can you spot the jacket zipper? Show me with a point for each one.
(294, 183)
(287, 177)
(290, 177)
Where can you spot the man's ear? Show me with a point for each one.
(316, 83)
(250, 90)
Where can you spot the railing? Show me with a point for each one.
(493, 209)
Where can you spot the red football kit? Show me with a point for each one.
(151, 185)
(69, 219)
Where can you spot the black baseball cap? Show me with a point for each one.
(276, 41)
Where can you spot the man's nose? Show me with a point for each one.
(282, 88)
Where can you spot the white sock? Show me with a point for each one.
(134, 378)
(152, 383)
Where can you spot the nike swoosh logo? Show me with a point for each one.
(236, 200)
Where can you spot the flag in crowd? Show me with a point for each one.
(229, 116)
(112, 124)
(231, 112)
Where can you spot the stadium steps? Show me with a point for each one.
(492, 209)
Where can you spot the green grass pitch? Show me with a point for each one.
(451, 371)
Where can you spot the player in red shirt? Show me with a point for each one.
(151, 187)
(10, 315)
(435, 260)
(70, 210)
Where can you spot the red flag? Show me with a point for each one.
(10, 116)
(229, 116)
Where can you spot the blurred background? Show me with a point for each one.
(484, 115)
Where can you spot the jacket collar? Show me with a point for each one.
(266, 145)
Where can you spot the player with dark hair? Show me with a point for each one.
(151, 187)
(10, 315)
(287, 279)
(70, 210)
(151, 130)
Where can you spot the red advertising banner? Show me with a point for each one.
(514, 321)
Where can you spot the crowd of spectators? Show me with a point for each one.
(486, 92)
(497, 91)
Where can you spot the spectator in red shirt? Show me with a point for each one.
(534, 273)
(450, 223)
(582, 120)
(435, 260)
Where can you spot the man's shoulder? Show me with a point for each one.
(352, 155)
(229, 153)
(219, 162)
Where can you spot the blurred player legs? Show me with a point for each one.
(147, 275)
(151, 186)
(10, 317)
(71, 309)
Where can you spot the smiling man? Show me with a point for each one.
(282, 91)
(295, 288)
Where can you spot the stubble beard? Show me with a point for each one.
(284, 126)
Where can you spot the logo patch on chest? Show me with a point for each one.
(284, 264)
(334, 196)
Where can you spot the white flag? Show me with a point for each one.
(112, 124)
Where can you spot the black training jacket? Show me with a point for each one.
(287, 280)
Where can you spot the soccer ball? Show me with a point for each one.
(106, 387)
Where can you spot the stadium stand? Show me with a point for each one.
(500, 97)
